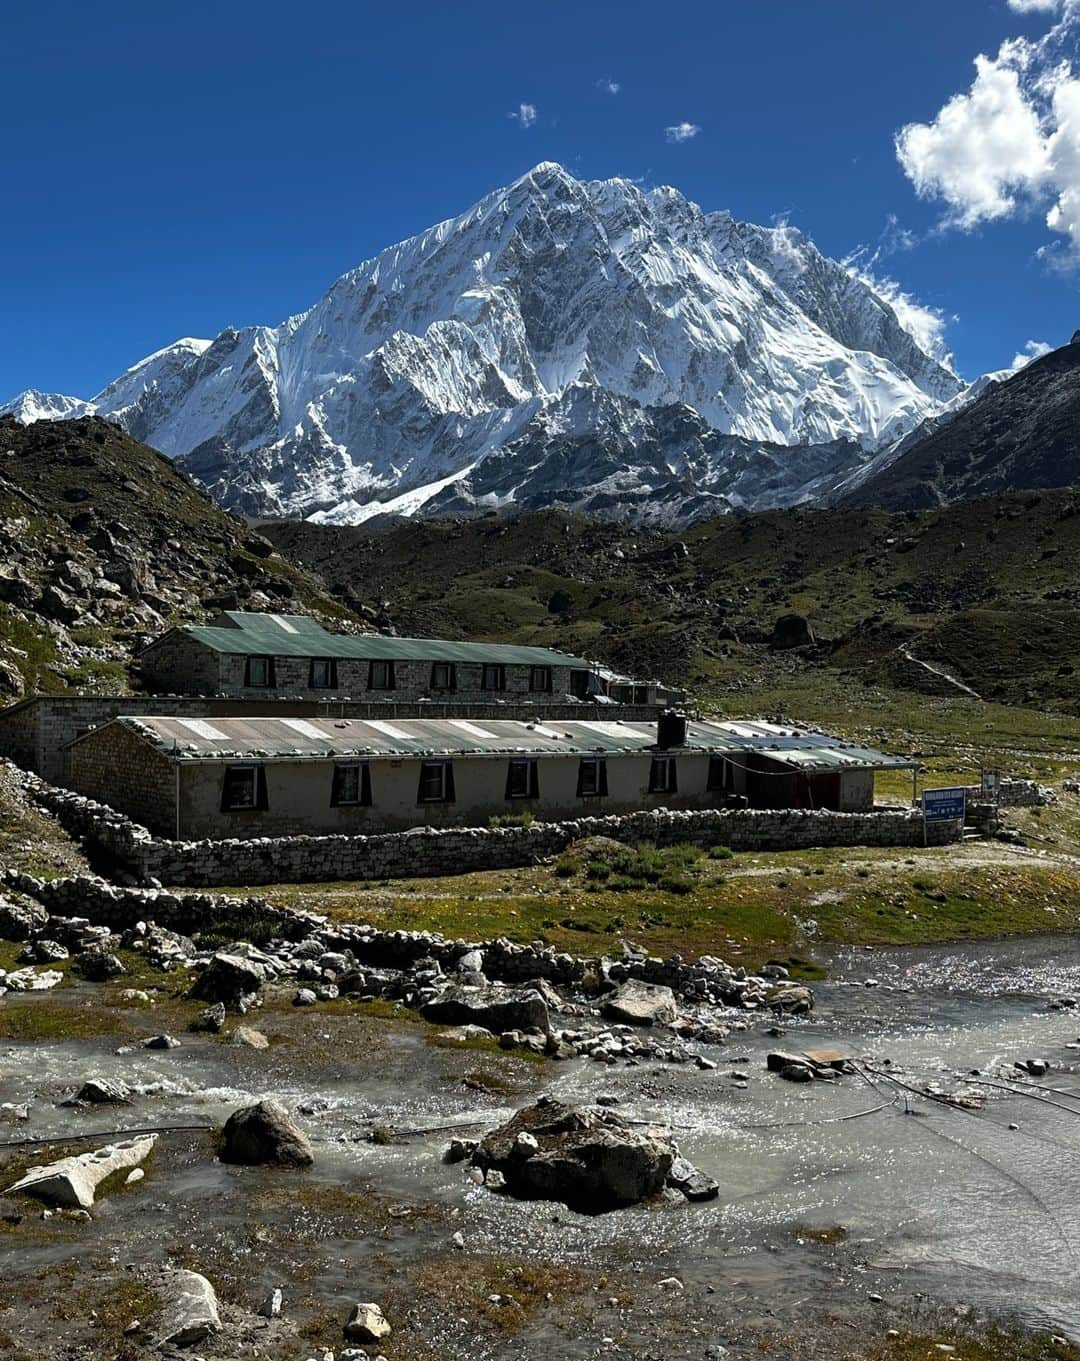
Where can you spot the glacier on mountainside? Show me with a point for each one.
(586, 343)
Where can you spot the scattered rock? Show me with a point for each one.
(161, 1042)
(246, 1037)
(103, 1092)
(211, 1019)
(638, 1003)
(265, 1134)
(190, 1313)
(495, 1009)
(229, 978)
(271, 1306)
(367, 1323)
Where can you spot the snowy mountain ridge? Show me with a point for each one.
(561, 342)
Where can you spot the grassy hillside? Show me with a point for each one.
(103, 543)
(985, 591)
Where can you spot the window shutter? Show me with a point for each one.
(534, 779)
(581, 779)
(225, 790)
(262, 802)
(333, 673)
(510, 779)
(448, 785)
(420, 784)
(673, 775)
(602, 774)
(365, 785)
(271, 678)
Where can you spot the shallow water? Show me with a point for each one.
(948, 1202)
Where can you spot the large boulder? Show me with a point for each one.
(589, 1158)
(638, 1003)
(496, 1009)
(792, 630)
(265, 1134)
(229, 978)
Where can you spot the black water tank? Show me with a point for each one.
(671, 729)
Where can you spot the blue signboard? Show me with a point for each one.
(944, 805)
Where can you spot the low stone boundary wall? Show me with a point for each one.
(457, 850)
(120, 908)
(1013, 794)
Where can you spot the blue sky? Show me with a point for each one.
(172, 169)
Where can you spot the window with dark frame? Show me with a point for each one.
(522, 778)
(540, 679)
(381, 676)
(351, 785)
(436, 782)
(721, 777)
(494, 677)
(259, 673)
(592, 777)
(663, 777)
(443, 676)
(243, 789)
(323, 674)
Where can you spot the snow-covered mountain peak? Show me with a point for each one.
(551, 300)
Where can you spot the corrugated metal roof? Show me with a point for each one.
(311, 739)
(268, 638)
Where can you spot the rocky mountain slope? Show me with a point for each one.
(977, 598)
(588, 343)
(103, 542)
(1020, 433)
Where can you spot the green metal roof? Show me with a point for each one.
(259, 635)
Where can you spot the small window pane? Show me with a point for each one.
(320, 674)
(519, 779)
(432, 782)
(239, 788)
(493, 678)
(346, 784)
(589, 773)
(662, 775)
(442, 676)
(258, 671)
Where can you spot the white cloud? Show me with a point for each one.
(608, 86)
(983, 148)
(525, 115)
(926, 325)
(1011, 142)
(1034, 349)
(681, 132)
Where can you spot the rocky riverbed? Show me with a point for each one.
(917, 1177)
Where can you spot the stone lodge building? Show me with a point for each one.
(259, 656)
(195, 778)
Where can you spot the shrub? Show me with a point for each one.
(565, 868)
(721, 853)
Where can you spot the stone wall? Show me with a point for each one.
(129, 774)
(120, 909)
(177, 662)
(444, 851)
(35, 732)
(1013, 794)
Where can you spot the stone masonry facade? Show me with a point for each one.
(426, 852)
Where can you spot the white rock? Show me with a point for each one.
(73, 1181)
(190, 1313)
